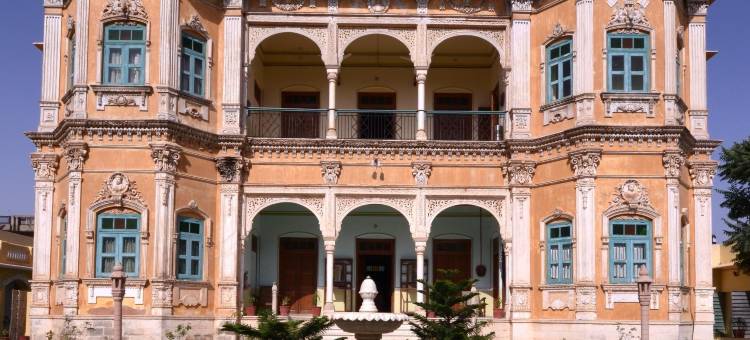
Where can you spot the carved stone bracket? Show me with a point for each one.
(330, 171)
(584, 163)
(165, 157)
(230, 169)
(421, 172)
(672, 161)
(630, 103)
(44, 165)
(519, 172)
(702, 173)
(195, 24)
(75, 155)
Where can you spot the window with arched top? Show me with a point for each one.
(190, 232)
(629, 62)
(559, 70)
(124, 53)
(630, 248)
(193, 65)
(117, 242)
(559, 253)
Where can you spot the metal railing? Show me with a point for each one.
(375, 124)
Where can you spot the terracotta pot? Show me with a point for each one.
(250, 310)
(739, 333)
(430, 313)
(498, 313)
(315, 311)
(284, 310)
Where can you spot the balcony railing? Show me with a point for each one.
(268, 122)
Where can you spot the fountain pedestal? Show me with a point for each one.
(368, 323)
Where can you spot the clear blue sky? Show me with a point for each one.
(728, 32)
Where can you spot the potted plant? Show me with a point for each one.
(739, 328)
(315, 308)
(498, 312)
(284, 308)
(249, 303)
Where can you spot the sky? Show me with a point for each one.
(20, 77)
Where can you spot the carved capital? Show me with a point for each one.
(702, 173)
(44, 165)
(697, 7)
(584, 163)
(421, 76)
(230, 168)
(421, 172)
(75, 155)
(330, 171)
(166, 157)
(519, 172)
(332, 74)
(672, 161)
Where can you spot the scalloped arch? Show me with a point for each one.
(317, 35)
(407, 37)
(257, 204)
(494, 37)
(350, 206)
(493, 206)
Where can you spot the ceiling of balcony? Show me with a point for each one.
(291, 49)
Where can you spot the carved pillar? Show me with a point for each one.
(584, 165)
(232, 96)
(584, 42)
(230, 170)
(672, 112)
(80, 70)
(673, 161)
(698, 10)
(520, 79)
(421, 78)
(49, 103)
(75, 155)
(702, 173)
(419, 247)
(169, 45)
(330, 246)
(45, 169)
(166, 158)
(333, 76)
(519, 176)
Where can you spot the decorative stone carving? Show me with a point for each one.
(288, 5)
(230, 169)
(118, 187)
(704, 300)
(675, 300)
(124, 9)
(195, 24)
(319, 35)
(521, 298)
(630, 103)
(672, 162)
(521, 5)
(558, 298)
(333, 6)
(107, 95)
(586, 299)
(97, 288)
(330, 171)
(44, 165)
(465, 6)
(702, 173)
(378, 6)
(584, 164)
(422, 6)
(346, 204)
(698, 7)
(407, 36)
(165, 157)
(631, 195)
(557, 32)
(257, 203)
(40, 294)
(193, 107)
(161, 294)
(495, 37)
(629, 18)
(519, 173)
(421, 172)
(75, 154)
(629, 294)
(190, 294)
(436, 206)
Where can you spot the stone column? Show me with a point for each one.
(519, 176)
(166, 157)
(45, 169)
(49, 103)
(520, 78)
(330, 246)
(672, 113)
(232, 96)
(673, 161)
(420, 247)
(698, 9)
(75, 155)
(333, 76)
(421, 117)
(584, 164)
(80, 74)
(584, 77)
(169, 45)
(230, 170)
(702, 173)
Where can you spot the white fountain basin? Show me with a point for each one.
(365, 323)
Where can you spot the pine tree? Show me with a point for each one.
(271, 327)
(735, 169)
(455, 315)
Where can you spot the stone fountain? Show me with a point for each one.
(368, 323)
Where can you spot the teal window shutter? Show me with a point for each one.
(559, 71)
(559, 253)
(193, 65)
(629, 249)
(189, 249)
(629, 62)
(117, 242)
(124, 54)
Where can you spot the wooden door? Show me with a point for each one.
(298, 264)
(452, 126)
(375, 259)
(453, 255)
(300, 124)
(373, 125)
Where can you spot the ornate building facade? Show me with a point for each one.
(286, 149)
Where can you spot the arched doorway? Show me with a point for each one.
(377, 242)
(12, 294)
(284, 248)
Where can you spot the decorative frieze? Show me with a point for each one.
(630, 103)
(421, 172)
(165, 157)
(121, 96)
(673, 162)
(190, 294)
(468, 6)
(519, 172)
(44, 165)
(102, 288)
(288, 5)
(584, 163)
(558, 297)
(378, 6)
(124, 9)
(330, 171)
(230, 169)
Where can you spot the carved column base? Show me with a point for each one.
(704, 304)
(328, 308)
(586, 303)
(40, 297)
(521, 302)
(161, 297)
(331, 134)
(421, 135)
(69, 298)
(674, 295)
(167, 104)
(227, 297)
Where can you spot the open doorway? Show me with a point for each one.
(375, 259)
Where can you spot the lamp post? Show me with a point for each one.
(118, 292)
(644, 297)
